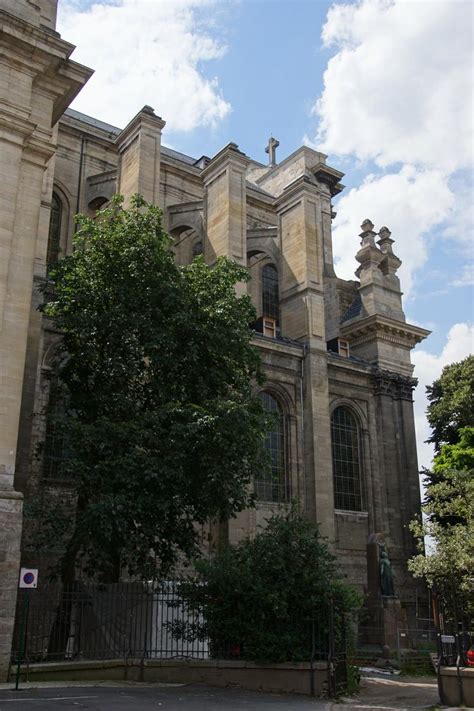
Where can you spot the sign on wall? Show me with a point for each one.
(28, 578)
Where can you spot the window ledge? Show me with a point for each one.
(343, 512)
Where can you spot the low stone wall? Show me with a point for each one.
(456, 686)
(286, 678)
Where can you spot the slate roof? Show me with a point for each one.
(279, 339)
(72, 113)
(79, 116)
(353, 310)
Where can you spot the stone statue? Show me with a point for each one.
(386, 574)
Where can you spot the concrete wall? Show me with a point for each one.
(456, 686)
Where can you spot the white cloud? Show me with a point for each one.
(397, 200)
(398, 94)
(466, 278)
(147, 52)
(428, 367)
(399, 88)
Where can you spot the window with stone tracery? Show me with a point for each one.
(346, 460)
(273, 484)
(57, 447)
(270, 293)
(54, 236)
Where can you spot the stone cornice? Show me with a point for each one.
(299, 188)
(21, 34)
(329, 176)
(379, 327)
(71, 77)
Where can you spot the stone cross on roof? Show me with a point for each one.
(271, 150)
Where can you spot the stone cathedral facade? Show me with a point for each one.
(336, 353)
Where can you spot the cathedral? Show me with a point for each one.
(336, 353)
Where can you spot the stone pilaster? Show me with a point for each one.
(39, 80)
(225, 205)
(398, 474)
(302, 312)
(139, 147)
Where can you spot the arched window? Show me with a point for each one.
(56, 442)
(273, 485)
(346, 460)
(54, 236)
(197, 249)
(270, 295)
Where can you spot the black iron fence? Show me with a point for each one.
(455, 638)
(137, 621)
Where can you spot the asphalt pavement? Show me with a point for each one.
(152, 698)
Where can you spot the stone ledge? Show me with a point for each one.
(297, 678)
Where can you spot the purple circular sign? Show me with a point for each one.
(28, 578)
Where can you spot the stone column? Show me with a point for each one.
(302, 315)
(139, 147)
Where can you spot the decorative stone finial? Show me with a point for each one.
(385, 241)
(367, 236)
(271, 150)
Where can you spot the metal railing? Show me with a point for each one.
(139, 621)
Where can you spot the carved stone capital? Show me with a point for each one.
(395, 385)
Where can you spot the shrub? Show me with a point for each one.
(270, 598)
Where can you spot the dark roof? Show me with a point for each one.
(352, 359)
(72, 113)
(179, 156)
(353, 310)
(90, 121)
(279, 339)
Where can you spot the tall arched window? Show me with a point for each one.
(346, 460)
(273, 485)
(270, 295)
(56, 442)
(54, 236)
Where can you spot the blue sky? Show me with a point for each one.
(384, 87)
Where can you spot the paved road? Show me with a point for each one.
(156, 698)
(375, 693)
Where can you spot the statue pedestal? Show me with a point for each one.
(394, 619)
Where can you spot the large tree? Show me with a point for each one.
(448, 564)
(451, 402)
(450, 408)
(157, 369)
(448, 523)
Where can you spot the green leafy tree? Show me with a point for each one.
(451, 402)
(156, 363)
(448, 564)
(267, 598)
(450, 408)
